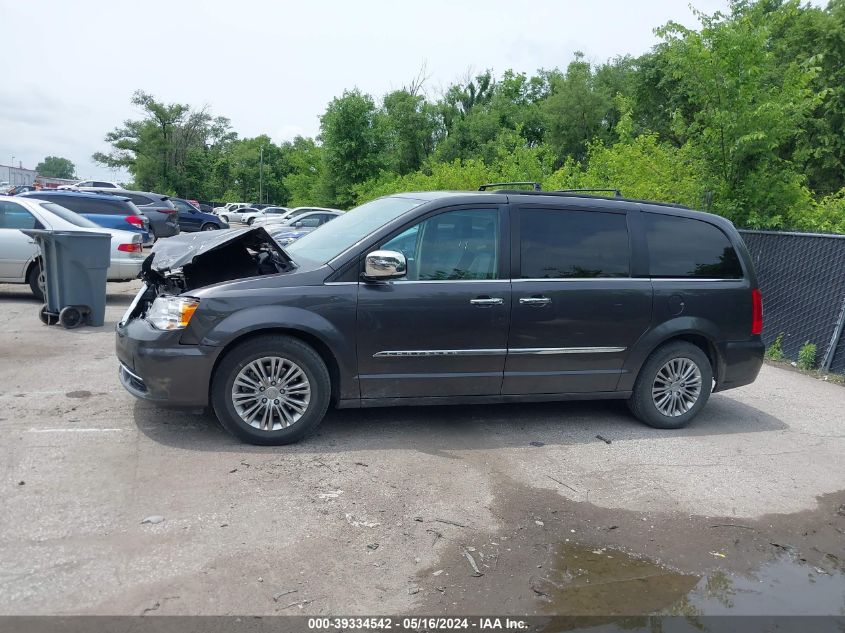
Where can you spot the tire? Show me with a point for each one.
(250, 221)
(652, 408)
(208, 226)
(245, 358)
(35, 279)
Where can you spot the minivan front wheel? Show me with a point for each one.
(271, 390)
(673, 386)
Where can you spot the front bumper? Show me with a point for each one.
(155, 366)
(740, 362)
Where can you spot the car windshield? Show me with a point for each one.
(68, 216)
(347, 229)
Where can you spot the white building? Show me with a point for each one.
(17, 175)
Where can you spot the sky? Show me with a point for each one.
(69, 69)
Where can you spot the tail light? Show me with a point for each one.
(134, 247)
(135, 220)
(756, 311)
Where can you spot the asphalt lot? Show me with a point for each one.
(382, 510)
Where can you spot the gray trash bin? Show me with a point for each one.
(75, 265)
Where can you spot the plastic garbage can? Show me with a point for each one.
(75, 265)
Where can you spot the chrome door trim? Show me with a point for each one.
(517, 351)
(488, 301)
(400, 353)
(535, 301)
(522, 351)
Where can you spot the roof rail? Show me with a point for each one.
(534, 185)
(616, 192)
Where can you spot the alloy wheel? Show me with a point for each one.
(676, 387)
(271, 393)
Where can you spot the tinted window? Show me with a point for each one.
(563, 244)
(138, 199)
(453, 245)
(683, 247)
(69, 216)
(14, 216)
(103, 184)
(91, 205)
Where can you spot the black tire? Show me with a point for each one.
(642, 403)
(208, 226)
(250, 221)
(281, 346)
(47, 318)
(35, 284)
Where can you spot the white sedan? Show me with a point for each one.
(288, 218)
(19, 255)
(266, 212)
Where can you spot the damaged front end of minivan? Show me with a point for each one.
(190, 261)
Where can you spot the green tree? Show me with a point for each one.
(353, 145)
(56, 167)
(164, 149)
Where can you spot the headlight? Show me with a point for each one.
(172, 313)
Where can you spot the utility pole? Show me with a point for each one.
(261, 176)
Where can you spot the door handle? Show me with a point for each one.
(487, 301)
(535, 301)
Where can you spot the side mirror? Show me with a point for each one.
(380, 265)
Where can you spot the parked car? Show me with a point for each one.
(237, 214)
(158, 208)
(252, 216)
(192, 219)
(18, 189)
(19, 255)
(113, 212)
(230, 206)
(446, 298)
(94, 184)
(282, 218)
(285, 234)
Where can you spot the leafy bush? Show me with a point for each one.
(775, 350)
(807, 356)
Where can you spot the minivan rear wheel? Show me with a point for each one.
(672, 387)
(271, 390)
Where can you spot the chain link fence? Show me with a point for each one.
(802, 278)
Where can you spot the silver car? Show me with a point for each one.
(19, 255)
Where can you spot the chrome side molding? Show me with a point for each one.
(517, 351)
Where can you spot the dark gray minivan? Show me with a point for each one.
(444, 298)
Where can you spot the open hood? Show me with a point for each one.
(195, 260)
(177, 251)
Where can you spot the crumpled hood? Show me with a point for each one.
(177, 251)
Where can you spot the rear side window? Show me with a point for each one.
(684, 247)
(138, 199)
(93, 205)
(556, 243)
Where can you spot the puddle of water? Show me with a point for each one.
(605, 582)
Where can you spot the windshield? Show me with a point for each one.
(68, 216)
(338, 235)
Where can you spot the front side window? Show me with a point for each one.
(684, 247)
(560, 244)
(451, 246)
(14, 216)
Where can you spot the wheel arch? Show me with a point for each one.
(319, 346)
(698, 332)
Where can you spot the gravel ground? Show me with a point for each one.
(381, 511)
